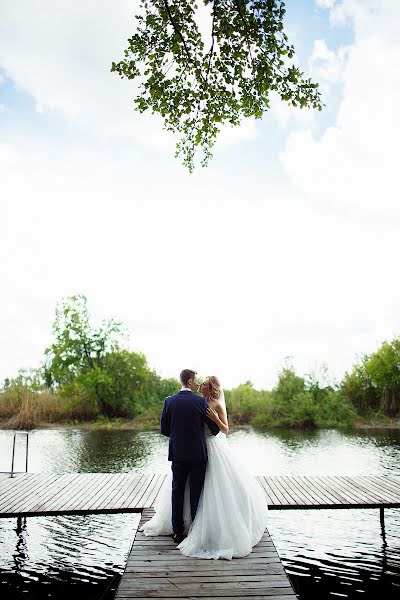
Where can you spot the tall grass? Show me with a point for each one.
(22, 408)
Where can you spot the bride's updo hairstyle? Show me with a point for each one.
(215, 387)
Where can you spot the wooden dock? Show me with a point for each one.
(156, 569)
(34, 494)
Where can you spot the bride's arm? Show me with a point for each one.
(219, 417)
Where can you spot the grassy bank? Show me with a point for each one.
(22, 408)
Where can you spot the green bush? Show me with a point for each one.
(298, 403)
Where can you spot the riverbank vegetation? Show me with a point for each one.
(88, 378)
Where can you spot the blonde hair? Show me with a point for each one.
(215, 387)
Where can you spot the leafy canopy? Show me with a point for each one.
(78, 347)
(196, 86)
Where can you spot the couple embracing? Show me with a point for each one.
(218, 508)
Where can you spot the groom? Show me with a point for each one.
(182, 420)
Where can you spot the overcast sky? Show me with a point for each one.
(287, 245)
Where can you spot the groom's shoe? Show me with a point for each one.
(178, 537)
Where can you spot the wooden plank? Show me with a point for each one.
(194, 592)
(324, 497)
(296, 493)
(138, 501)
(267, 492)
(94, 489)
(112, 502)
(165, 584)
(282, 497)
(130, 491)
(8, 483)
(350, 493)
(211, 571)
(54, 491)
(66, 491)
(148, 497)
(18, 485)
(155, 542)
(386, 483)
(158, 491)
(100, 498)
(358, 489)
(63, 487)
(47, 489)
(325, 487)
(273, 594)
(156, 569)
(377, 489)
(32, 490)
(172, 555)
(179, 579)
(285, 488)
(209, 565)
(12, 488)
(272, 500)
(308, 491)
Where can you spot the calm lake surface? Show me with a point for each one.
(327, 553)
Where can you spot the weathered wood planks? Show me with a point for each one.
(156, 569)
(82, 493)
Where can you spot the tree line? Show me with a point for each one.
(87, 374)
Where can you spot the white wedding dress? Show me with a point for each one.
(232, 512)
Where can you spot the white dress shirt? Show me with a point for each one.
(185, 389)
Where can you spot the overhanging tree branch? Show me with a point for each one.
(208, 89)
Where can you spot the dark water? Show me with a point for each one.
(327, 553)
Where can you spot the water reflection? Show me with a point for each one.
(328, 553)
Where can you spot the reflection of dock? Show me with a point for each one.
(33, 494)
(156, 569)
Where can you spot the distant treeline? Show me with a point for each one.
(87, 375)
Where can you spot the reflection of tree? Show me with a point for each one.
(21, 555)
(102, 451)
(294, 439)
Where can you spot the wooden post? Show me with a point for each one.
(382, 518)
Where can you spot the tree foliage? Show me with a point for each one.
(196, 85)
(78, 347)
(374, 382)
(91, 371)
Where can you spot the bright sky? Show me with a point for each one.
(287, 245)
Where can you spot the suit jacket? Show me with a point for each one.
(182, 420)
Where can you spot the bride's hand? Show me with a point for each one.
(212, 414)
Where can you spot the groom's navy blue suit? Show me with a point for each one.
(182, 420)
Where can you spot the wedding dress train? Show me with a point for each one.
(232, 512)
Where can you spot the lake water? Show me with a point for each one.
(327, 553)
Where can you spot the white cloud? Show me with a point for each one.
(325, 64)
(353, 165)
(290, 116)
(61, 54)
(325, 3)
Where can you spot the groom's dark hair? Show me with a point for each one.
(187, 374)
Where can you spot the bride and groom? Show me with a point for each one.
(218, 509)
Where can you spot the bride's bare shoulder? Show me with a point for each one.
(219, 406)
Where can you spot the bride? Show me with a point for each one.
(232, 512)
